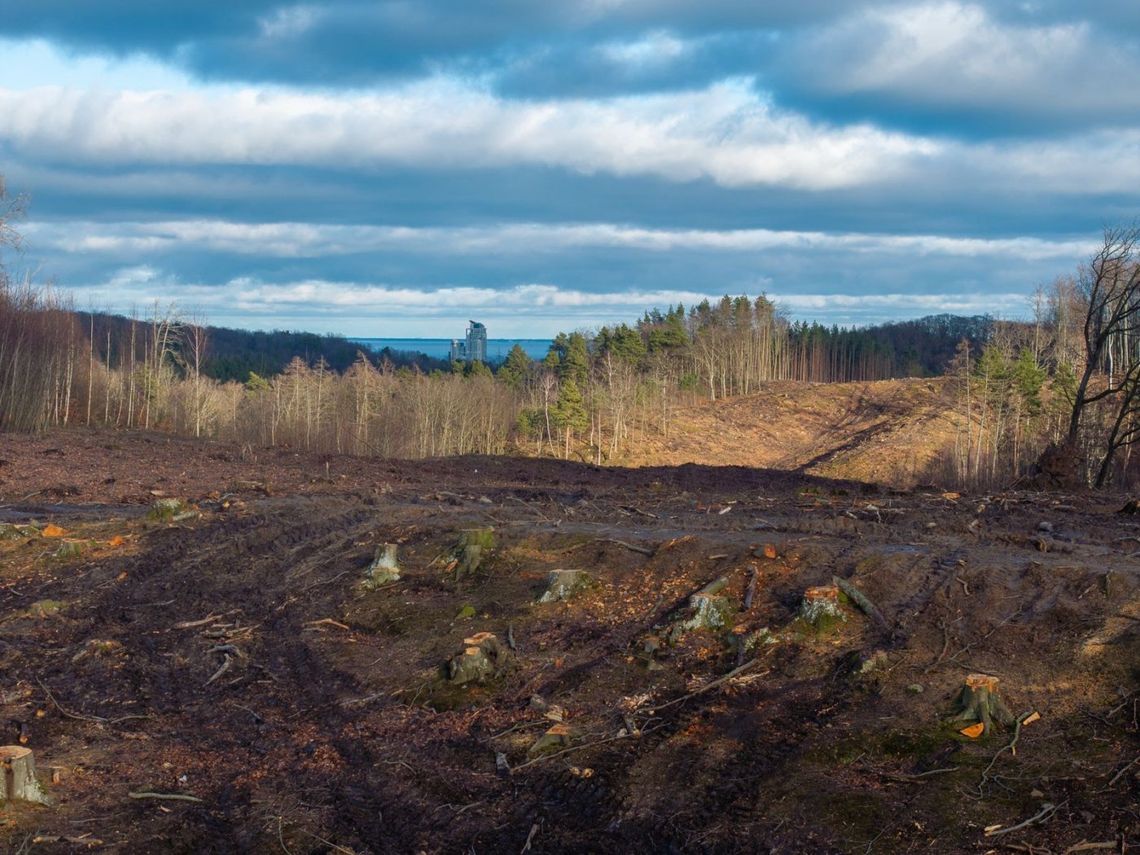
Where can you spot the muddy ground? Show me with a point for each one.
(333, 727)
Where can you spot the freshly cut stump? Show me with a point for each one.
(978, 701)
(19, 767)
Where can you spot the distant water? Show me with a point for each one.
(440, 348)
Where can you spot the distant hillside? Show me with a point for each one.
(231, 354)
(889, 431)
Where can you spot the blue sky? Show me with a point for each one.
(393, 168)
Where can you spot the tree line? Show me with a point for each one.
(1069, 378)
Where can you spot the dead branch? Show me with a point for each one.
(190, 624)
(1047, 810)
(644, 550)
(1120, 774)
(735, 672)
(98, 719)
(225, 667)
(639, 511)
(328, 622)
(176, 797)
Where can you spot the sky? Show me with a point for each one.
(397, 167)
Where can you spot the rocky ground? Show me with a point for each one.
(194, 649)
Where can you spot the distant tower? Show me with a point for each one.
(476, 342)
(458, 350)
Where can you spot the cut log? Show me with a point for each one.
(978, 701)
(19, 768)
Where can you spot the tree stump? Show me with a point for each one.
(707, 610)
(979, 701)
(820, 607)
(474, 546)
(19, 768)
(383, 568)
(564, 584)
(483, 658)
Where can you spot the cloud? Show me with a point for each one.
(298, 240)
(953, 63)
(724, 133)
(528, 310)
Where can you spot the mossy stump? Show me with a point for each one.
(472, 550)
(558, 737)
(564, 585)
(483, 658)
(978, 701)
(18, 766)
(384, 567)
(820, 608)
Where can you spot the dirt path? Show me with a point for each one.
(333, 729)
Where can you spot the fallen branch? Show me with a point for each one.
(190, 624)
(329, 622)
(1089, 847)
(1010, 747)
(635, 510)
(1047, 810)
(98, 719)
(735, 672)
(644, 550)
(225, 667)
(1120, 774)
(861, 600)
(174, 797)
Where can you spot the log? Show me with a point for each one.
(861, 600)
(19, 768)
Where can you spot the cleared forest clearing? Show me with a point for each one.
(199, 660)
(888, 432)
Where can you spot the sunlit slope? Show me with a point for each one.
(891, 432)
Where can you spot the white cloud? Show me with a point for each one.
(529, 310)
(957, 54)
(295, 240)
(727, 132)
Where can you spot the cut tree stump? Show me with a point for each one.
(384, 568)
(473, 548)
(564, 584)
(820, 607)
(978, 701)
(19, 767)
(707, 609)
(484, 657)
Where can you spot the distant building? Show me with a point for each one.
(474, 348)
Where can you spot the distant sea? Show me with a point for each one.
(440, 348)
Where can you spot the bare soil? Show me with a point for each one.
(333, 727)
